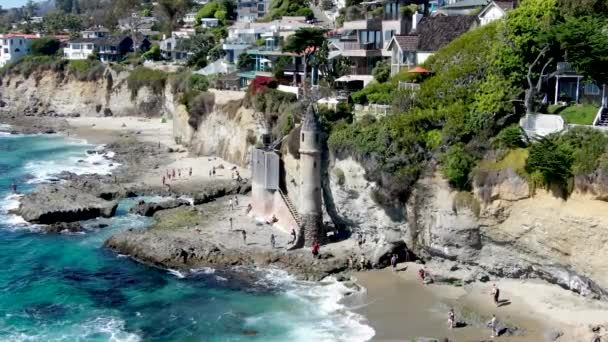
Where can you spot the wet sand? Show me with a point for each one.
(400, 308)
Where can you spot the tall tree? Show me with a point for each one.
(305, 42)
(584, 41)
(30, 9)
(173, 10)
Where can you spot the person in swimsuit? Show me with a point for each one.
(495, 294)
(451, 319)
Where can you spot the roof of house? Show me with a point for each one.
(405, 42)
(436, 32)
(96, 29)
(467, 3)
(503, 5)
(83, 40)
(112, 40)
(18, 35)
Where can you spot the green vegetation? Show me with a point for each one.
(27, 65)
(468, 108)
(222, 10)
(281, 8)
(575, 114)
(178, 218)
(143, 77)
(86, 70)
(382, 72)
(45, 46)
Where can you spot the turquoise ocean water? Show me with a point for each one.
(69, 288)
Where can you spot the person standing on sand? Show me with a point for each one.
(495, 294)
(394, 262)
(236, 201)
(230, 204)
(451, 319)
(213, 171)
(173, 174)
(293, 236)
(190, 172)
(272, 240)
(493, 326)
(230, 223)
(244, 237)
(164, 181)
(315, 249)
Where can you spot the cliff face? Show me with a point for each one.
(229, 131)
(512, 234)
(52, 92)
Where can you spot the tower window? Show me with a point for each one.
(302, 137)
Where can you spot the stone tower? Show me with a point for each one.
(310, 179)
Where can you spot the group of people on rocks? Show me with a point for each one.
(174, 174)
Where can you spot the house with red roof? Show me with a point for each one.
(13, 46)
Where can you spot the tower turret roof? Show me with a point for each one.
(310, 121)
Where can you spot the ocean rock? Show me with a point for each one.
(55, 203)
(148, 209)
(59, 227)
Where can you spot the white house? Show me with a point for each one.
(209, 22)
(189, 18)
(495, 10)
(95, 32)
(80, 48)
(14, 46)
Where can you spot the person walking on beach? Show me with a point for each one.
(164, 181)
(230, 204)
(495, 294)
(236, 201)
(190, 172)
(493, 326)
(451, 319)
(394, 262)
(244, 237)
(230, 223)
(173, 173)
(272, 240)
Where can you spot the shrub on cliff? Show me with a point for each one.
(143, 77)
(86, 70)
(45, 46)
(456, 164)
(27, 65)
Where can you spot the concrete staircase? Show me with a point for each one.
(603, 118)
(292, 208)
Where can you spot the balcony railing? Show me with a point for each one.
(362, 46)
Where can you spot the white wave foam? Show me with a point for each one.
(202, 270)
(5, 127)
(322, 304)
(98, 329)
(176, 273)
(95, 163)
(15, 222)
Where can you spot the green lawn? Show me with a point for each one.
(575, 114)
(515, 159)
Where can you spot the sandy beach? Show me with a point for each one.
(400, 308)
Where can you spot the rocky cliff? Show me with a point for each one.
(500, 228)
(50, 92)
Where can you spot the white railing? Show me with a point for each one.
(598, 116)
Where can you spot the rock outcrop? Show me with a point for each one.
(149, 209)
(50, 204)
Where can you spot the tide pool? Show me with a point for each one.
(69, 288)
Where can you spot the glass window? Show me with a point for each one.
(591, 89)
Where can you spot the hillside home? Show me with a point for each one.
(364, 38)
(243, 35)
(80, 48)
(251, 10)
(172, 48)
(189, 19)
(13, 46)
(113, 49)
(462, 7)
(431, 34)
(95, 32)
(495, 10)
